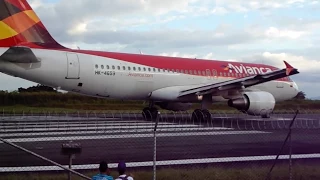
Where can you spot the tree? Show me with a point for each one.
(300, 95)
(38, 88)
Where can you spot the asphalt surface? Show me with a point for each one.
(127, 137)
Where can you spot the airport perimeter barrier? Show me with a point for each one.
(230, 145)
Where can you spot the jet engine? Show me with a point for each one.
(175, 106)
(254, 103)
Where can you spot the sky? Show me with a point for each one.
(260, 31)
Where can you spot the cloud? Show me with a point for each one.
(273, 32)
(238, 30)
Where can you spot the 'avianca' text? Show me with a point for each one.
(248, 69)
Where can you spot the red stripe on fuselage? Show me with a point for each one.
(170, 62)
(176, 63)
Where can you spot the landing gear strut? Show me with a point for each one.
(150, 113)
(203, 114)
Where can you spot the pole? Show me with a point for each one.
(70, 163)
(43, 158)
(155, 146)
(285, 141)
(290, 154)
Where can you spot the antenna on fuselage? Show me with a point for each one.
(140, 51)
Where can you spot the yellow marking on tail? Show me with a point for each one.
(6, 31)
(32, 15)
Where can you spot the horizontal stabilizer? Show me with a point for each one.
(19, 55)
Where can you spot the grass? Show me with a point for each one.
(258, 172)
(44, 102)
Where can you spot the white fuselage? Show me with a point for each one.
(90, 75)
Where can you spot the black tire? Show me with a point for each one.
(197, 116)
(206, 115)
(149, 114)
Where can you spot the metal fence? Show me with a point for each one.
(229, 146)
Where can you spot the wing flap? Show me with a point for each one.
(18, 54)
(241, 82)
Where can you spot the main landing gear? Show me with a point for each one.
(150, 113)
(203, 114)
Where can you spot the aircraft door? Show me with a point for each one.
(73, 70)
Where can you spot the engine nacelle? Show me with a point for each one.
(175, 106)
(254, 103)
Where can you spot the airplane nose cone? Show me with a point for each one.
(295, 87)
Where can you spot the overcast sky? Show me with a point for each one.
(264, 31)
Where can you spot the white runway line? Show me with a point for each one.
(58, 118)
(179, 134)
(127, 126)
(162, 163)
(110, 131)
(64, 124)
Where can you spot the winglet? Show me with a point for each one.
(289, 68)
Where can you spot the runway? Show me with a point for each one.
(131, 139)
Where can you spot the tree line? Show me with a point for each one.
(43, 96)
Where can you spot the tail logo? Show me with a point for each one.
(19, 25)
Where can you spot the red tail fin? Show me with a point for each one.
(19, 25)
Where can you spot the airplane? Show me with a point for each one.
(28, 51)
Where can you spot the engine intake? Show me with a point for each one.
(254, 103)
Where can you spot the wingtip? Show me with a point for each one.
(287, 64)
(289, 68)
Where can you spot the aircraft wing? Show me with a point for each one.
(19, 54)
(241, 82)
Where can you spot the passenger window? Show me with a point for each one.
(118, 67)
(199, 72)
(134, 68)
(124, 68)
(144, 69)
(154, 69)
(108, 67)
(97, 66)
(139, 68)
(113, 67)
(102, 66)
(129, 68)
(149, 69)
(195, 72)
(186, 71)
(190, 71)
(177, 71)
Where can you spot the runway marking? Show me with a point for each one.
(127, 126)
(64, 124)
(111, 132)
(162, 163)
(18, 140)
